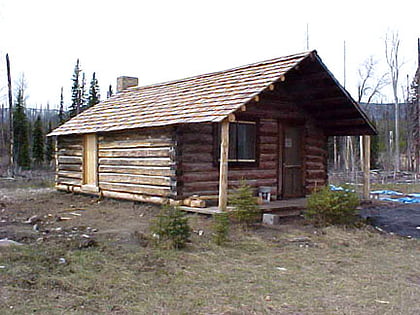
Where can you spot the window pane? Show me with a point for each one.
(232, 141)
(246, 141)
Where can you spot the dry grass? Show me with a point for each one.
(267, 271)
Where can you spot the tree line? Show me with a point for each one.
(32, 149)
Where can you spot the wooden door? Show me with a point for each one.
(90, 157)
(292, 162)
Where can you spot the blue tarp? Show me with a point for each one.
(409, 198)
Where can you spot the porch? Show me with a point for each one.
(284, 208)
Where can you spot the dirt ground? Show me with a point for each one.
(82, 255)
(29, 214)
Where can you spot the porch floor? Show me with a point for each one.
(284, 207)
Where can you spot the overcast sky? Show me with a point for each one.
(165, 40)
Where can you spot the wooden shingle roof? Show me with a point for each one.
(204, 98)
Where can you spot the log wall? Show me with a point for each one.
(136, 165)
(137, 162)
(200, 173)
(69, 155)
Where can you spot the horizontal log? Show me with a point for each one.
(65, 146)
(316, 174)
(318, 142)
(142, 152)
(197, 157)
(197, 148)
(313, 150)
(269, 148)
(268, 126)
(197, 128)
(68, 188)
(134, 197)
(314, 165)
(198, 167)
(135, 179)
(315, 158)
(126, 144)
(137, 134)
(269, 139)
(68, 181)
(70, 152)
(69, 167)
(161, 191)
(268, 157)
(138, 170)
(232, 175)
(213, 185)
(70, 159)
(196, 138)
(70, 139)
(133, 161)
(69, 174)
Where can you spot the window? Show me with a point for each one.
(242, 141)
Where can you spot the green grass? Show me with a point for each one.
(335, 271)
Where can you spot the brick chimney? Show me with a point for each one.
(125, 82)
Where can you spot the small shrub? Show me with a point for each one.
(246, 210)
(326, 207)
(221, 227)
(170, 228)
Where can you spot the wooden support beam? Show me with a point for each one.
(256, 98)
(282, 78)
(271, 87)
(366, 167)
(231, 118)
(224, 155)
(243, 108)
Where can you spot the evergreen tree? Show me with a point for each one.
(38, 142)
(61, 113)
(76, 91)
(83, 94)
(20, 131)
(94, 95)
(49, 146)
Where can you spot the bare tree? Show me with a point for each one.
(370, 84)
(392, 45)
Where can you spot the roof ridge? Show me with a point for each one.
(203, 75)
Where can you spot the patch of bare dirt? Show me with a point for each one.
(41, 214)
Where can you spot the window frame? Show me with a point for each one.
(237, 162)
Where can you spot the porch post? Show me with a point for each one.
(223, 174)
(366, 167)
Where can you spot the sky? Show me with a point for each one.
(159, 41)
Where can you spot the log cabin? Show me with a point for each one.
(266, 123)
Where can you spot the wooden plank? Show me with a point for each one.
(138, 152)
(133, 161)
(64, 159)
(197, 157)
(138, 170)
(90, 165)
(161, 191)
(135, 179)
(223, 173)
